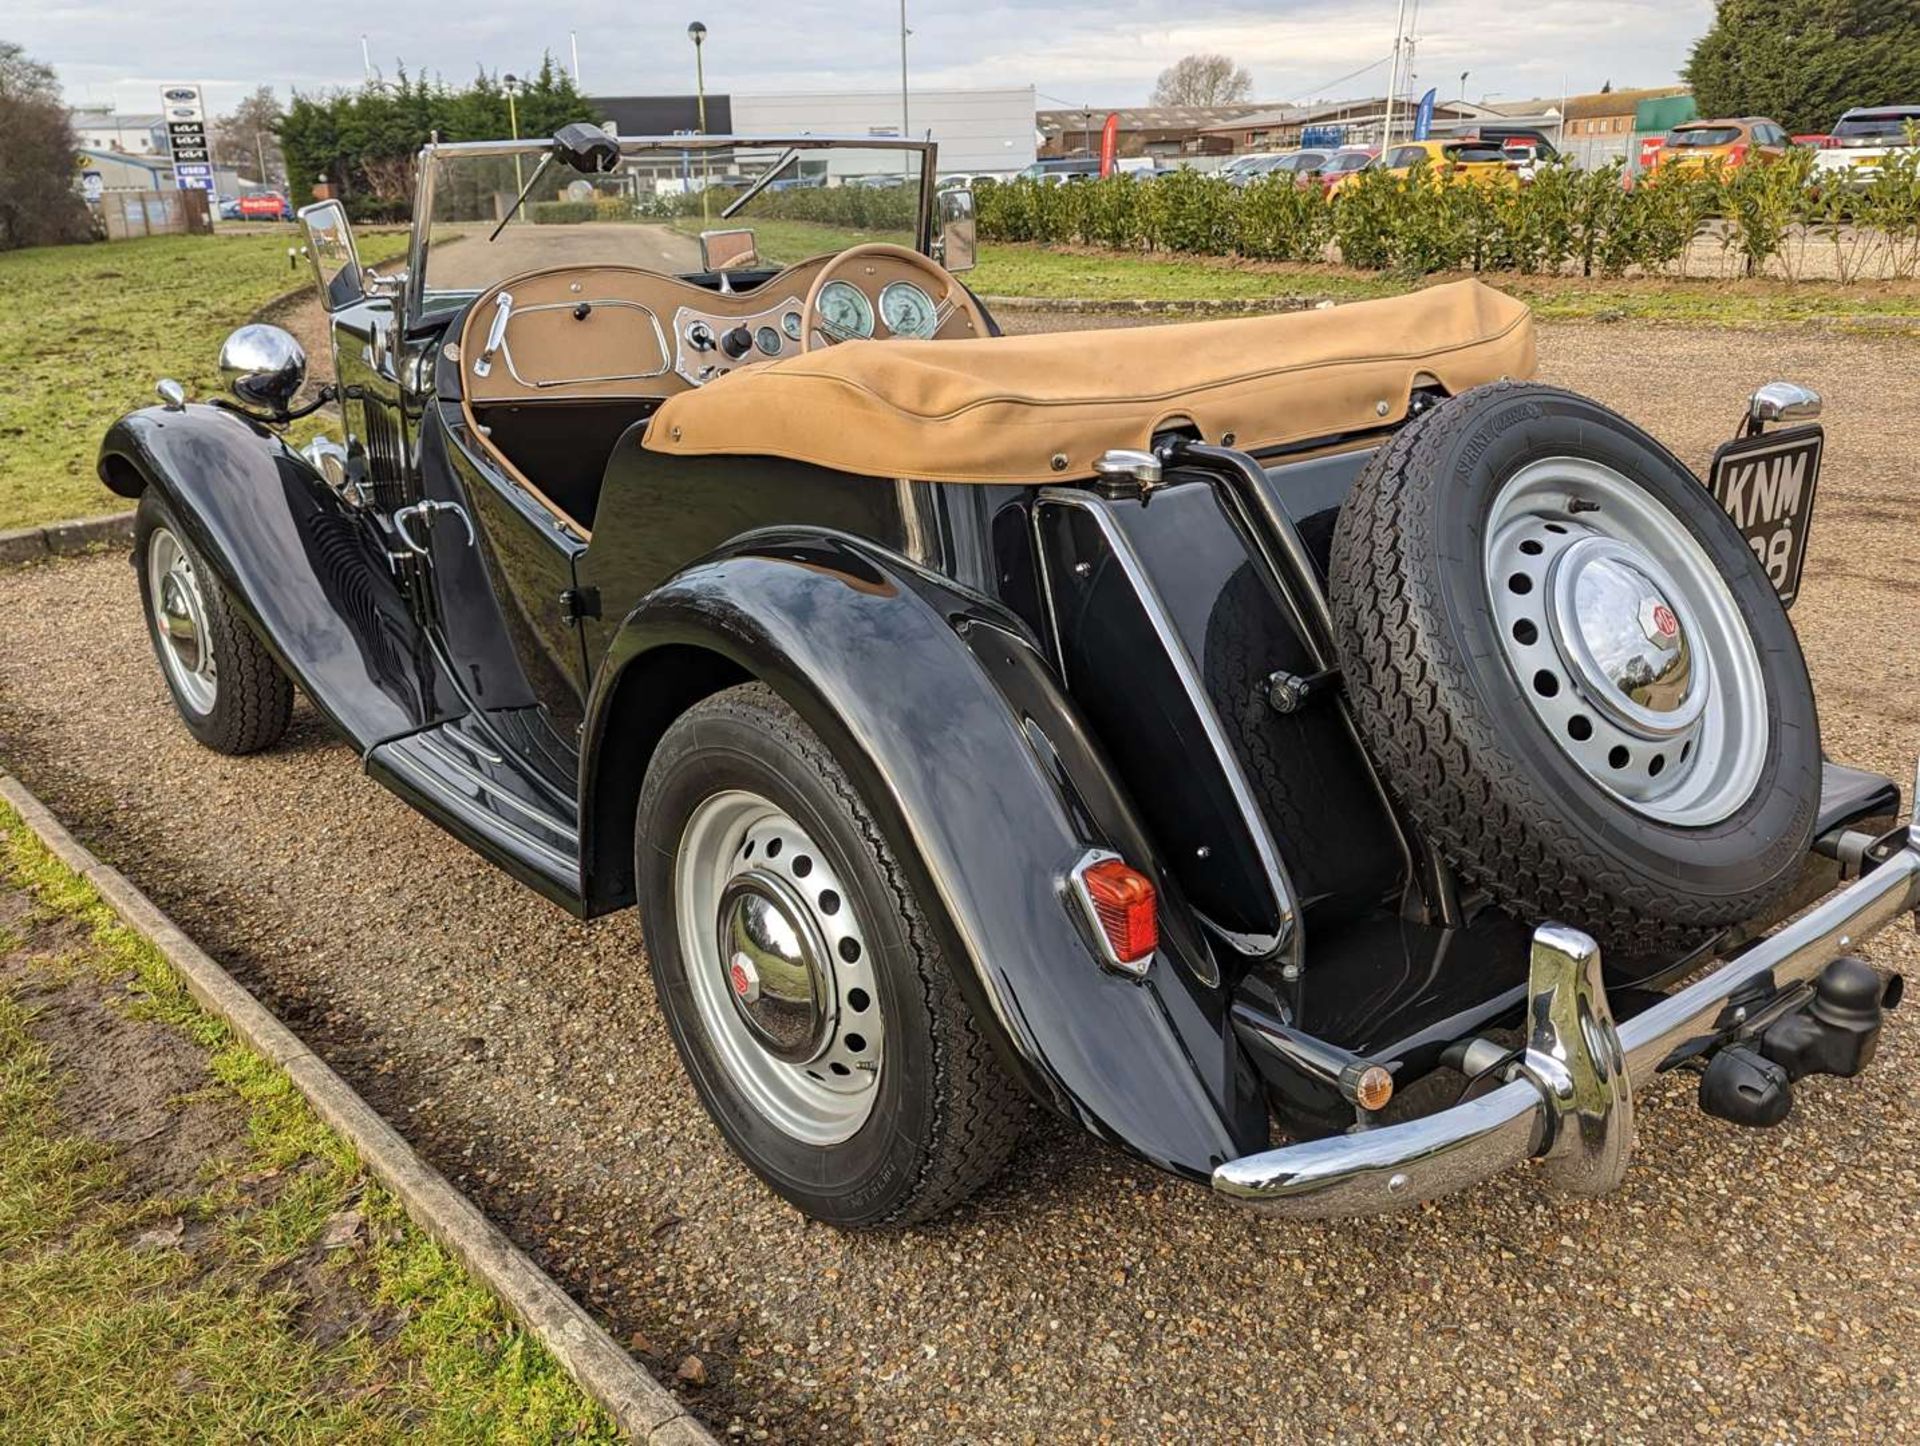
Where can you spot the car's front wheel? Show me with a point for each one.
(801, 979)
(227, 687)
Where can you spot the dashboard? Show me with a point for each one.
(594, 332)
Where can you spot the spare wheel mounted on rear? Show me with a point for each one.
(1573, 671)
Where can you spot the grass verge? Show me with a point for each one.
(281, 1295)
(1083, 274)
(88, 330)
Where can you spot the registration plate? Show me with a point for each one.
(1766, 485)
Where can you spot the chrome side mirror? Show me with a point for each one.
(336, 260)
(956, 246)
(263, 366)
(1782, 402)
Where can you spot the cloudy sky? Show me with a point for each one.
(1097, 52)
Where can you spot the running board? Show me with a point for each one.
(489, 800)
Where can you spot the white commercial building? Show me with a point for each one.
(978, 131)
(102, 128)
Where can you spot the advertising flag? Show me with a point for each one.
(1423, 118)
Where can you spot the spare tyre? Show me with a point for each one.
(1573, 672)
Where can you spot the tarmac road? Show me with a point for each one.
(1742, 1284)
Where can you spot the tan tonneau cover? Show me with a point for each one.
(1038, 407)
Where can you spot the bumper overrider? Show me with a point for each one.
(1567, 1096)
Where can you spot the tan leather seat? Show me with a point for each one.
(1042, 407)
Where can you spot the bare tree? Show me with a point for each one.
(247, 138)
(1202, 80)
(38, 205)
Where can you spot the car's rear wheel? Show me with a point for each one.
(227, 687)
(801, 979)
(1574, 673)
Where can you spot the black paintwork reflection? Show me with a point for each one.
(1310, 781)
(867, 652)
(507, 587)
(1392, 988)
(1119, 675)
(311, 573)
(657, 514)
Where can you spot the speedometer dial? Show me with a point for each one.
(908, 311)
(845, 310)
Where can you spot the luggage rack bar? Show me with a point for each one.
(1568, 1098)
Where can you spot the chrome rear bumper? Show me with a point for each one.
(1568, 1100)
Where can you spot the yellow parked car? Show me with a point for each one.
(1453, 162)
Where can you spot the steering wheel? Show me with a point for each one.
(943, 287)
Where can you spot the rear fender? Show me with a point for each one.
(989, 792)
(308, 573)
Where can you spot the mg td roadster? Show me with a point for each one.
(1302, 750)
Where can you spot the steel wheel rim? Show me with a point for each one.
(180, 622)
(816, 1084)
(1595, 584)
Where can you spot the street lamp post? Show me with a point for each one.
(697, 33)
(511, 84)
(906, 124)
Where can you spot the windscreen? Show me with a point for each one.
(1890, 126)
(1704, 136)
(651, 210)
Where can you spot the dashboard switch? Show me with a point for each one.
(700, 336)
(737, 343)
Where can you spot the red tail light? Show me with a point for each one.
(1121, 903)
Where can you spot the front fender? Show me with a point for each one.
(308, 573)
(987, 804)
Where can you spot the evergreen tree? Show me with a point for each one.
(1805, 62)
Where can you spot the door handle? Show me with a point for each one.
(425, 511)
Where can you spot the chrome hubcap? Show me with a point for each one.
(775, 962)
(1626, 641)
(778, 968)
(180, 621)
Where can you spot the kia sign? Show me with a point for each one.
(187, 147)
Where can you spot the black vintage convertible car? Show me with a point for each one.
(1244, 738)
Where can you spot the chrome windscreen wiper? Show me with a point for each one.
(521, 199)
(772, 174)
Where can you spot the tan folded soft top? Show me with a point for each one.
(1038, 407)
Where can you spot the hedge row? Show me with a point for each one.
(1566, 219)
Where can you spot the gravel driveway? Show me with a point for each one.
(1757, 1284)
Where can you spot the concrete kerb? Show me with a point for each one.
(65, 539)
(645, 1409)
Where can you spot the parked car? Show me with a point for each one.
(1730, 144)
(1297, 165)
(264, 206)
(1479, 163)
(228, 208)
(1206, 732)
(1864, 137)
(1342, 165)
(1058, 170)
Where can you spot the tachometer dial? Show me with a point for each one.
(845, 310)
(907, 310)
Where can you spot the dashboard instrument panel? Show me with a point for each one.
(581, 333)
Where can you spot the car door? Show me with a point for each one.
(505, 597)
